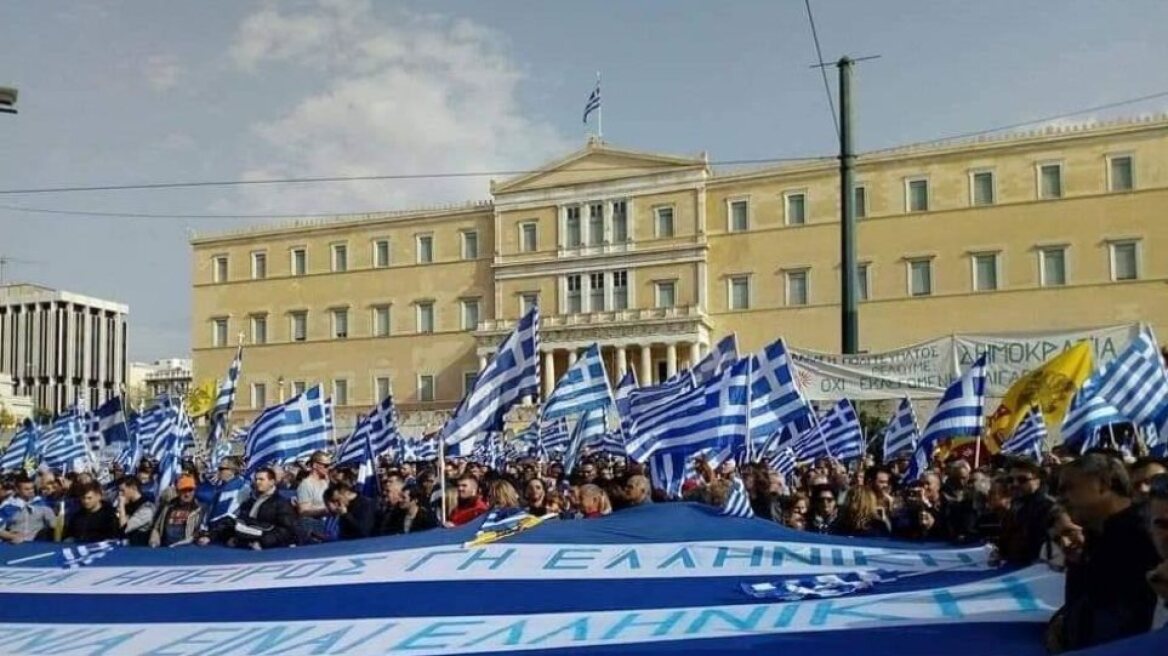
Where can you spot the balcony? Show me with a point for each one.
(636, 325)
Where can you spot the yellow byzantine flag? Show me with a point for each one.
(201, 399)
(1050, 387)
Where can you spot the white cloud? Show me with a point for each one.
(162, 72)
(400, 93)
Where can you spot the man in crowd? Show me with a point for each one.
(135, 513)
(265, 521)
(638, 491)
(824, 510)
(354, 515)
(310, 493)
(179, 520)
(95, 520)
(1142, 471)
(470, 504)
(24, 516)
(1024, 527)
(1157, 511)
(230, 493)
(403, 512)
(1112, 599)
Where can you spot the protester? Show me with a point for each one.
(535, 496)
(502, 494)
(469, 505)
(135, 512)
(356, 516)
(404, 512)
(593, 502)
(179, 520)
(863, 516)
(24, 516)
(1024, 526)
(95, 519)
(1157, 511)
(310, 493)
(824, 510)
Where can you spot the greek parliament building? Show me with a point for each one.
(58, 347)
(655, 257)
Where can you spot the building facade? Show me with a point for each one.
(656, 257)
(59, 347)
(167, 377)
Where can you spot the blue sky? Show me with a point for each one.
(136, 91)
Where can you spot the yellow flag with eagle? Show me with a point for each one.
(201, 399)
(1049, 387)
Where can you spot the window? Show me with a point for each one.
(666, 294)
(219, 331)
(426, 388)
(340, 257)
(470, 245)
(528, 301)
(425, 249)
(663, 222)
(620, 290)
(572, 228)
(528, 237)
(981, 188)
(259, 395)
(299, 387)
(381, 321)
(1120, 173)
(595, 224)
(575, 303)
(862, 282)
(299, 322)
(739, 293)
(470, 314)
(299, 261)
(340, 392)
(917, 195)
(596, 292)
(985, 272)
(259, 329)
(259, 266)
(219, 268)
(620, 222)
(381, 387)
(1052, 266)
(1125, 263)
(738, 211)
(795, 208)
(468, 381)
(426, 317)
(860, 201)
(341, 323)
(920, 277)
(797, 287)
(381, 253)
(1050, 180)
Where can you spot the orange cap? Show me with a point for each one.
(185, 483)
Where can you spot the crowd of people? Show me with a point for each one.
(1101, 519)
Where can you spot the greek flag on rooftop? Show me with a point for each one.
(1087, 414)
(593, 102)
(724, 354)
(20, 448)
(901, 434)
(1029, 437)
(958, 414)
(64, 442)
(289, 431)
(737, 502)
(775, 398)
(511, 375)
(1136, 383)
(838, 435)
(583, 386)
(712, 416)
(381, 427)
(589, 428)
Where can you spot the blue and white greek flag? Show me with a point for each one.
(131, 455)
(289, 431)
(593, 103)
(554, 436)
(80, 555)
(649, 399)
(63, 443)
(229, 496)
(170, 460)
(367, 483)
(958, 414)
(163, 421)
(724, 354)
(712, 416)
(775, 398)
(611, 443)
(381, 427)
(901, 433)
(420, 450)
(225, 400)
(1136, 383)
(1087, 414)
(668, 470)
(511, 375)
(583, 386)
(838, 435)
(589, 428)
(111, 422)
(1029, 437)
(1156, 443)
(622, 399)
(738, 501)
(783, 462)
(21, 449)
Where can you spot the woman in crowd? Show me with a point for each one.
(863, 516)
(535, 494)
(502, 494)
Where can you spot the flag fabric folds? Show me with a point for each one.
(836, 435)
(589, 428)
(593, 102)
(1136, 383)
(738, 501)
(783, 462)
(63, 443)
(1028, 440)
(288, 431)
(511, 375)
(901, 434)
(724, 354)
(554, 436)
(583, 386)
(21, 448)
(775, 398)
(379, 426)
(958, 414)
(1088, 414)
(1050, 387)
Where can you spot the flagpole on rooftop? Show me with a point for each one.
(599, 113)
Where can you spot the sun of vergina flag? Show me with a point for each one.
(960, 413)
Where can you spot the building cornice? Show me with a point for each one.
(587, 263)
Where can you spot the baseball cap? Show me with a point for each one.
(185, 483)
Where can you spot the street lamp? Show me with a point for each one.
(8, 100)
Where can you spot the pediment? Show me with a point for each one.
(596, 162)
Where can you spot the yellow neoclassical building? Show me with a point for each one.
(655, 257)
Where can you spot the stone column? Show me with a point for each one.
(622, 363)
(482, 361)
(549, 372)
(671, 359)
(645, 375)
(572, 355)
(695, 354)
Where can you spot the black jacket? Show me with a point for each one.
(359, 520)
(275, 516)
(1024, 529)
(94, 526)
(393, 521)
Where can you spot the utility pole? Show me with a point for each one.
(849, 300)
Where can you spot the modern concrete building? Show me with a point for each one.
(59, 346)
(655, 257)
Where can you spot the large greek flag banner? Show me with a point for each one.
(658, 579)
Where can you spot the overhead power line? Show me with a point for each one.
(822, 69)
